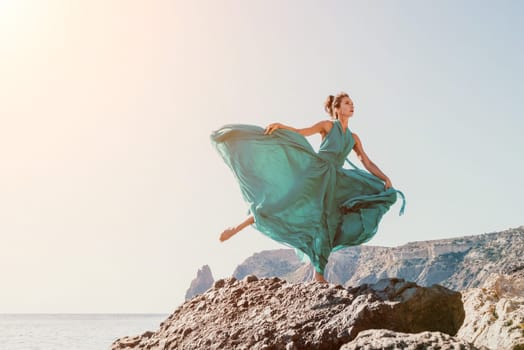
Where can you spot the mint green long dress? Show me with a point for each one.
(301, 198)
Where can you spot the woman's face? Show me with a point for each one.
(346, 107)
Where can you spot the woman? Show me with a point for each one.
(302, 198)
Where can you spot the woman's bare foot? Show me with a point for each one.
(227, 234)
(230, 231)
(319, 278)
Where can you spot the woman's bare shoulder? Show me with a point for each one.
(326, 124)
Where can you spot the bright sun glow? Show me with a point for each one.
(23, 23)
(13, 15)
(10, 9)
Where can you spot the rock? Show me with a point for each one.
(380, 339)
(274, 314)
(219, 284)
(418, 308)
(495, 312)
(203, 281)
(250, 278)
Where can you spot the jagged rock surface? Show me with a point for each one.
(203, 281)
(456, 263)
(382, 339)
(273, 314)
(495, 312)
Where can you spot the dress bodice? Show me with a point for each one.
(337, 144)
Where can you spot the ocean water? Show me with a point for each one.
(71, 331)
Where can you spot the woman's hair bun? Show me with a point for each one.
(328, 105)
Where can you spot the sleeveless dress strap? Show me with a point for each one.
(399, 192)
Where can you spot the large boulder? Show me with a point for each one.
(270, 313)
(495, 312)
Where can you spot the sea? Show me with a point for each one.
(72, 331)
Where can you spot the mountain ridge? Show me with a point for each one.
(456, 263)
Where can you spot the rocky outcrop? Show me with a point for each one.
(456, 263)
(495, 312)
(270, 313)
(382, 339)
(203, 281)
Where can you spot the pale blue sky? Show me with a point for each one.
(111, 196)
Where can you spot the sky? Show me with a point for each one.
(111, 195)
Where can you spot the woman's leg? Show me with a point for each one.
(229, 232)
(319, 277)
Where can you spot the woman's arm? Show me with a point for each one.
(368, 164)
(322, 127)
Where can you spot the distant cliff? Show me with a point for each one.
(456, 263)
(203, 281)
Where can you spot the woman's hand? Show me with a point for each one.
(387, 184)
(272, 127)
